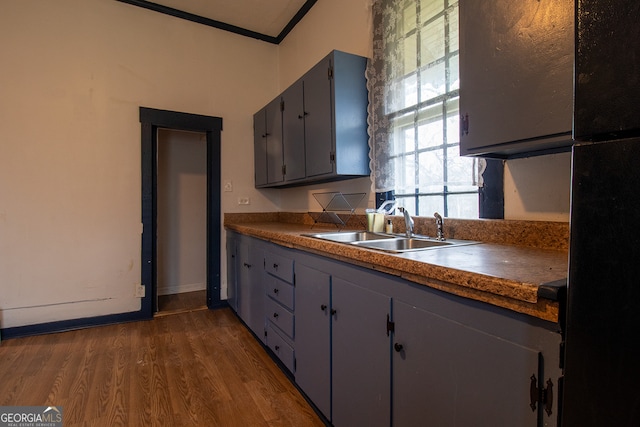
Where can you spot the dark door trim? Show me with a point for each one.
(151, 120)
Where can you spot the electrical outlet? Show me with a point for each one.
(243, 200)
(139, 290)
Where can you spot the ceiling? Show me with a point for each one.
(267, 20)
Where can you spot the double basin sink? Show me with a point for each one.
(388, 242)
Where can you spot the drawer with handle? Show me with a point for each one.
(279, 266)
(280, 347)
(279, 291)
(280, 317)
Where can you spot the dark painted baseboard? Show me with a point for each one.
(71, 324)
(86, 322)
(216, 305)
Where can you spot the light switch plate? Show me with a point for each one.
(228, 185)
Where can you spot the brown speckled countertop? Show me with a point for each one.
(505, 275)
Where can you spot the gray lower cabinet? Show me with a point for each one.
(376, 350)
(450, 374)
(360, 348)
(313, 335)
(279, 305)
(342, 345)
(250, 299)
(232, 269)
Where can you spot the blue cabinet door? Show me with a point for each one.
(360, 356)
(313, 338)
(260, 147)
(274, 142)
(250, 285)
(232, 268)
(267, 144)
(448, 374)
(318, 123)
(293, 118)
(516, 69)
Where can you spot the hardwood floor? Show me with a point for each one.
(197, 368)
(177, 303)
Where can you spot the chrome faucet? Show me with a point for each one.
(408, 222)
(439, 226)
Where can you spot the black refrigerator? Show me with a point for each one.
(601, 364)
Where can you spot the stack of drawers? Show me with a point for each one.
(279, 307)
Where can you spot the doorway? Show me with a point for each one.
(182, 221)
(155, 122)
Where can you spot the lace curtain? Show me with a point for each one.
(400, 91)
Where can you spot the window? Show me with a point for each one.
(415, 107)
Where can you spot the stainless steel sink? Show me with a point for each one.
(350, 236)
(401, 244)
(388, 242)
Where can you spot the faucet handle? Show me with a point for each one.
(439, 226)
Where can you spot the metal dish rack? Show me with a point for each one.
(337, 207)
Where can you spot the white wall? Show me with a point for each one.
(329, 25)
(182, 212)
(74, 74)
(538, 188)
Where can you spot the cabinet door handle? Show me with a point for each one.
(276, 290)
(277, 347)
(303, 115)
(323, 307)
(247, 265)
(275, 315)
(533, 392)
(275, 266)
(333, 311)
(398, 347)
(464, 124)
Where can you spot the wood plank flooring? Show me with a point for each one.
(196, 368)
(177, 303)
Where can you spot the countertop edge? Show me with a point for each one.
(526, 298)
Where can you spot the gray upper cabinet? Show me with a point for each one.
(516, 77)
(318, 123)
(324, 125)
(267, 140)
(293, 127)
(260, 147)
